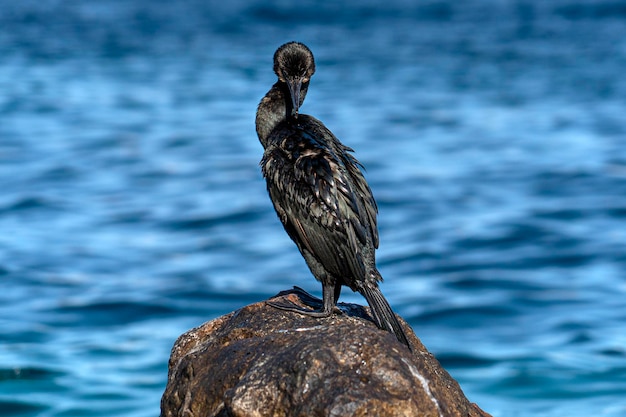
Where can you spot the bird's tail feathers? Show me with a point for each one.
(384, 316)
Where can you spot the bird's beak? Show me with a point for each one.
(294, 90)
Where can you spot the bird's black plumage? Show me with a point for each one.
(319, 192)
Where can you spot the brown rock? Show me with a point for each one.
(261, 361)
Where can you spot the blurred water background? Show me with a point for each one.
(132, 207)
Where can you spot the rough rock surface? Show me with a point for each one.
(261, 361)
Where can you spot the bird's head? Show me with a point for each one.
(294, 65)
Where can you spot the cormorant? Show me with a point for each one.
(319, 192)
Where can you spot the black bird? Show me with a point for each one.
(319, 192)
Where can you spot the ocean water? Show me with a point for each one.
(132, 207)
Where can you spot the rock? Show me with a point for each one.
(261, 361)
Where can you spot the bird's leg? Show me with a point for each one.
(337, 292)
(321, 308)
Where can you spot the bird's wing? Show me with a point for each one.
(319, 202)
(363, 189)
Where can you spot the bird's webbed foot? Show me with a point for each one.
(319, 307)
(300, 310)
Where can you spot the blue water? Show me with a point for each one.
(132, 207)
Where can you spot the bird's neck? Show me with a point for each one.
(274, 108)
